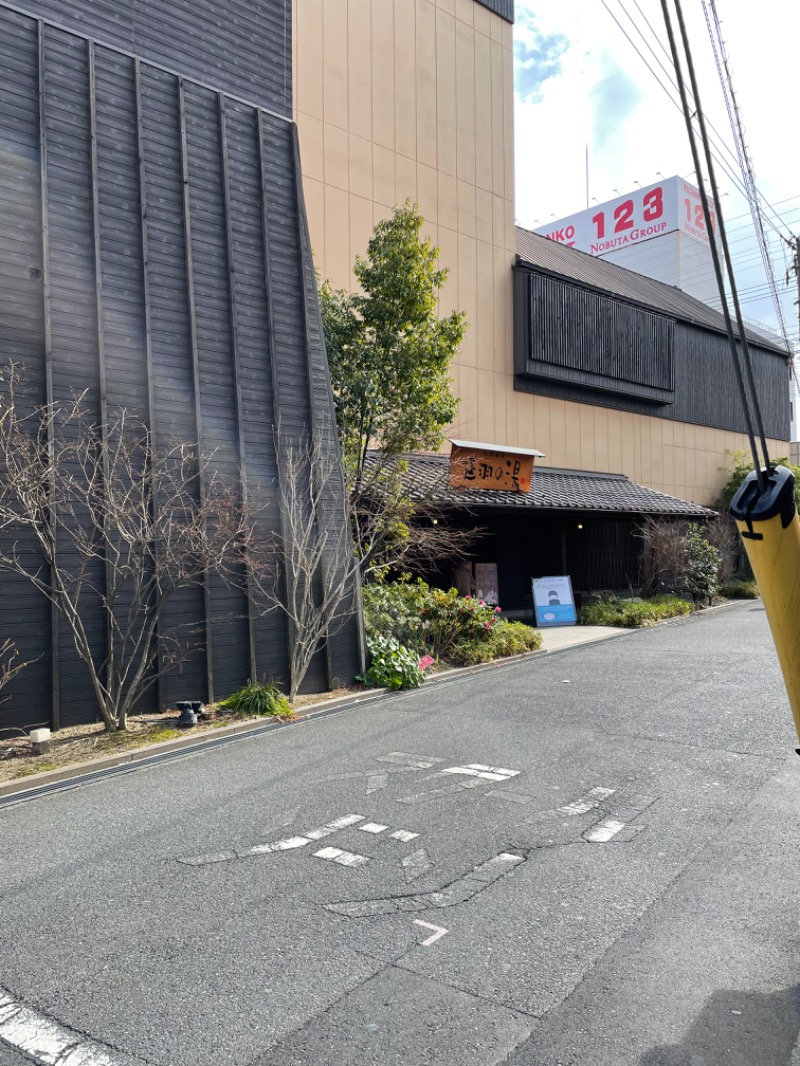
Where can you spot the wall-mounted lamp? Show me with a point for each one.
(580, 525)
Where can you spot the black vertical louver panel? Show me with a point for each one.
(294, 416)
(174, 414)
(242, 46)
(178, 285)
(24, 614)
(345, 652)
(74, 311)
(255, 346)
(216, 364)
(597, 342)
(503, 8)
(123, 305)
(558, 324)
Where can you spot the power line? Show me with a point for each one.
(735, 117)
(731, 174)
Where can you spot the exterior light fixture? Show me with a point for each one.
(580, 525)
(190, 709)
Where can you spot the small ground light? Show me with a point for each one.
(580, 525)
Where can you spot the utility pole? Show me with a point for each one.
(794, 244)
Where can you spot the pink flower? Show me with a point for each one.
(467, 597)
(497, 610)
(483, 603)
(486, 625)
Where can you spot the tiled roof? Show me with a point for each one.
(570, 263)
(551, 489)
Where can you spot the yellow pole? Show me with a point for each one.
(770, 529)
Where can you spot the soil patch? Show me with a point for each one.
(84, 743)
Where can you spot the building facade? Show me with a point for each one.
(399, 99)
(154, 252)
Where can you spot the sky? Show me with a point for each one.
(579, 81)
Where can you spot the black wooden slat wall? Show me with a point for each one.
(179, 274)
(242, 47)
(504, 8)
(558, 335)
(23, 617)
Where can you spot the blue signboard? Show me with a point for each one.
(553, 601)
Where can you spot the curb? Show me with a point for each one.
(36, 782)
(179, 744)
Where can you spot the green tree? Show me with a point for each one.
(742, 466)
(390, 357)
(701, 574)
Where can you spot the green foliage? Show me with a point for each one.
(632, 614)
(742, 466)
(455, 629)
(389, 351)
(391, 665)
(739, 590)
(258, 699)
(396, 609)
(506, 638)
(390, 357)
(702, 565)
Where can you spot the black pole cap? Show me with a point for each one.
(751, 505)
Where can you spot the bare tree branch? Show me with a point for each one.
(119, 525)
(310, 571)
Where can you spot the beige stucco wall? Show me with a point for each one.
(398, 99)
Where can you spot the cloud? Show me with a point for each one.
(537, 56)
(615, 98)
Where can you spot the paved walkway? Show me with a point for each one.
(557, 637)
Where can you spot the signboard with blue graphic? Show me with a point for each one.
(553, 601)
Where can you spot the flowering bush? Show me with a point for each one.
(455, 629)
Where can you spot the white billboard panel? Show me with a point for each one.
(667, 206)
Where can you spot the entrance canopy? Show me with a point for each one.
(552, 490)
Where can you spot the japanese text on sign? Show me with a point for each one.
(477, 469)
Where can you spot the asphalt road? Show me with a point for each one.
(587, 859)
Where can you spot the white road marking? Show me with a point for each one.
(403, 836)
(45, 1041)
(461, 890)
(438, 932)
(279, 845)
(373, 827)
(416, 864)
(457, 786)
(590, 802)
(404, 758)
(603, 831)
(343, 858)
(375, 782)
(487, 773)
(335, 826)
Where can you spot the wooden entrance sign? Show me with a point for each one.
(481, 466)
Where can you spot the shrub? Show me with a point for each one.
(457, 629)
(506, 638)
(456, 621)
(739, 590)
(702, 565)
(392, 665)
(631, 614)
(258, 699)
(426, 620)
(396, 609)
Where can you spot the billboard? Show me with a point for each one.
(669, 205)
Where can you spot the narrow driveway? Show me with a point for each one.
(587, 858)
